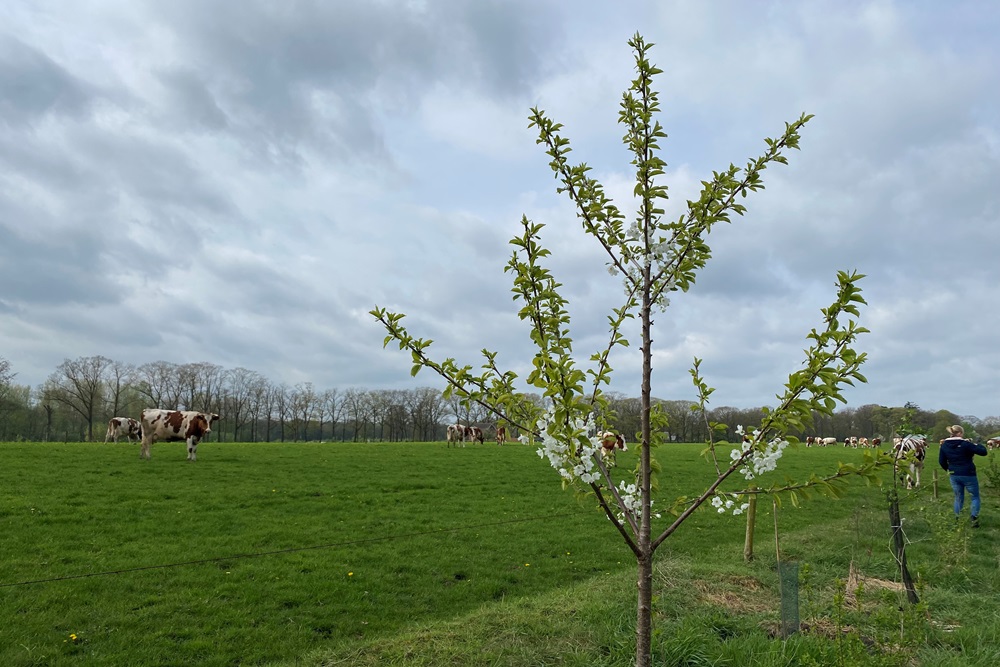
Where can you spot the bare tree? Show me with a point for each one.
(303, 402)
(159, 382)
(281, 408)
(238, 385)
(79, 384)
(334, 408)
(199, 383)
(426, 408)
(358, 407)
(120, 381)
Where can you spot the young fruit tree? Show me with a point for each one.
(654, 257)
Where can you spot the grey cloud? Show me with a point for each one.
(192, 101)
(34, 85)
(41, 272)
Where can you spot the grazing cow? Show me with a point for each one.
(610, 442)
(810, 440)
(456, 435)
(993, 443)
(501, 435)
(166, 425)
(123, 427)
(475, 434)
(862, 442)
(912, 448)
(876, 442)
(827, 441)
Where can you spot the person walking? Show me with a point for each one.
(956, 457)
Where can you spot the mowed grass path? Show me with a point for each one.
(404, 535)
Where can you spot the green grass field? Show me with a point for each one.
(324, 554)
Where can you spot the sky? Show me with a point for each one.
(241, 182)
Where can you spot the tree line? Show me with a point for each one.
(77, 400)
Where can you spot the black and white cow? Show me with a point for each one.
(913, 449)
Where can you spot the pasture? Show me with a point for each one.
(341, 553)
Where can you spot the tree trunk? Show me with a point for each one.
(644, 612)
(751, 523)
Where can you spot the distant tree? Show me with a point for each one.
(334, 408)
(120, 381)
(160, 383)
(80, 384)
(654, 257)
(6, 384)
(303, 404)
(6, 376)
(199, 385)
(237, 392)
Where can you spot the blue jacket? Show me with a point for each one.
(956, 456)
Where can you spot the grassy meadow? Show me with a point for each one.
(414, 553)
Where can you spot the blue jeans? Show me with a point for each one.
(959, 484)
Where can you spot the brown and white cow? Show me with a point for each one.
(610, 442)
(501, 435)
(912, 448)
(188, 425)
(475, 434)
(123, 427)
(993, 443)
(456, 435)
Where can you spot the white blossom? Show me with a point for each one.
(724, 504)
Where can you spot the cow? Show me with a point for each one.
(188, 425)
(610, 442)
(912, 448)
(810, 440)
(475, 434)
(827, 441)
(993, 443)
(456, 435)
(876, 442)
(501, 435)
(123, 427)
(863, 442)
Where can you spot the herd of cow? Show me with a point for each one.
(155, 424)
(459, 434)
(191, 426)
(911, 449)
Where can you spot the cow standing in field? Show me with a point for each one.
(912, 448)
(188, 425)
(475, 434)
(610, 442)
(123, 427)
(456, 434)
(501, 435)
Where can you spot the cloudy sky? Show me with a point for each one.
(240, 182)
